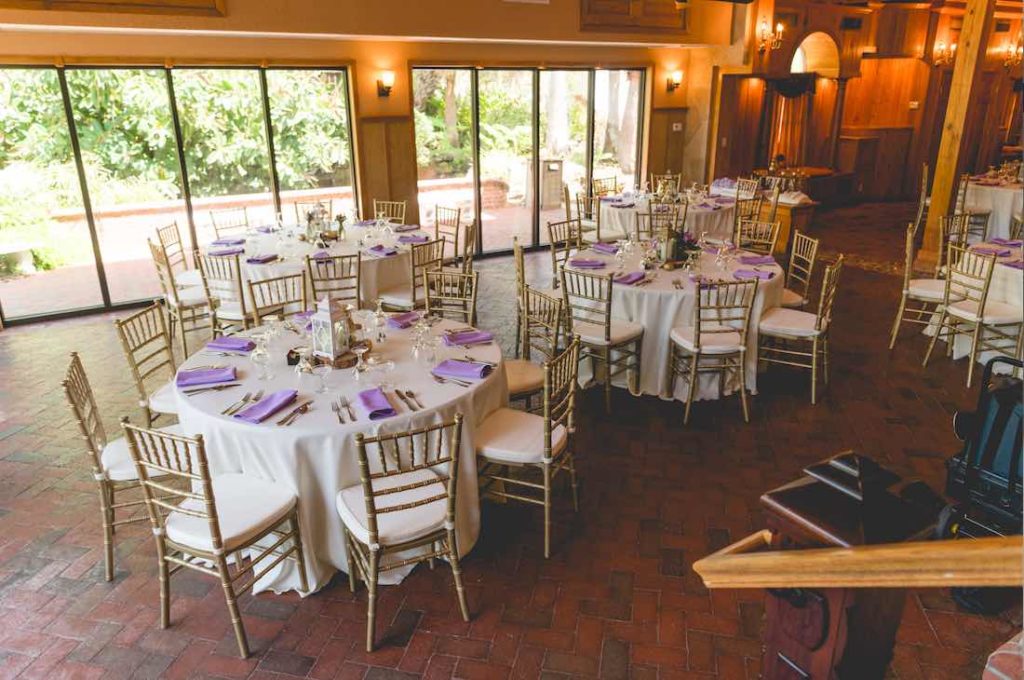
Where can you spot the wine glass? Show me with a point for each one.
(322, 371)
(260, 358)
(359, 349)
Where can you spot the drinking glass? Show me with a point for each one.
(260, 358)
(359, 349)
(322, 371)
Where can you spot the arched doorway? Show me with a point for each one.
(817, 53)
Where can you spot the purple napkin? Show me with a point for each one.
(265, 229)
(1016, 265)
(757, 259)
(453, 368)
(724, 200)
(998, 252)
(403, 320)
(228, 242)
(473, 337)
(606, 248)
(381, 251)
(365, 223)
(376, 404)
(610, 199)
(303, 316)
(711, 250)
(224, 252)
(321, 255)
(399, 228)
(413, 238)
(262, 259)
(267, 406)
(623, 205)
(751, 274)
(584, 263)
(230, 344)
(708, 205)
(1007, 242)
(630, 279)
(205, 376)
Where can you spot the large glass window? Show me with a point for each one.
(617, 95)
(564, 103)
(46, 256)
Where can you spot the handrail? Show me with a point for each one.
(967, 562)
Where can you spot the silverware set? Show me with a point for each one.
(341, 407)
(210, 388)
(247, 398)
(218, 353)
(454, 381)
(410, 399)
(294, 414)
(479, 361)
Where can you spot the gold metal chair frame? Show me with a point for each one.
(423, 257)
(659, 225)
(448, 225)
(907, 312)
(393, 210)
(801, 264)
(604, 186)
(303, 208)
(169, 238)
(952, 229)
(978, 219)
(1016, 227)
(564, 238)
(672, 182)
(229, 221)
(275, 294)
(369, 559)
(720, 308)
(587, 298)
(588, 209)
(540, 330)
(747, 188)
(451, 295)
(336, 277)
(559, 408)
(188, 318)
(780, 348)
(758, 237)
(147, 348)
(183, 459)
(922, 200)
(222, 283)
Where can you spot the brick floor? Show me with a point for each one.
(618, 598)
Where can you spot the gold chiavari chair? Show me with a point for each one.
(1016, 225)
(715, 341)
(613, 345)
(219, 520)
(588, 210)
(923, 201)
(448, 225)
(112, 466)
(656, 225)
(669, 182)
(978, 216)
(801, 268)
(786, 332)
(773, 203)
(468, 247)
(952, 229)
(926, 294)
(568, 201)
(758, 237)
(393, 211)
(188, 310)
(564, 239)
(278, 295)
(510, 439)
(424, 257)
(451, 295)
(169, 238)
(747, 188)
(967, 310)
(540, 331)
(604, 186)
(520, 267)
(304, 208)
(406, 500)
(147, 348)
(335, 277)
(747, 210)
(230, 221)
(222, 285)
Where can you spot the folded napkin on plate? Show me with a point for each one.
(453, 368)
(413, 238)
(724, 200)
(708, 205)
(623, 205)
(267, 406)
(376, 404)
(403, 320)
(204, 376)
(227, 343)
(751, 274)
(998, 252)
(473, 337)
(224, 252)
(1010, 243)
(610, 199)
(399, 228)
(382, 251)
(585, 263)
(321, 255)
(757, 259)
(629, 279)
(228, 242)
(605, 248)
(265, 229)
(1016, 265)
(262, 259)
(365, 223)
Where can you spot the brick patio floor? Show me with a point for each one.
(618, 598)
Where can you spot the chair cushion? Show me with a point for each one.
(711, 343)
(188, 277)
(995, 312)
(193, 296)
(230, 311)
(791, 322)
(524, 377)
(588, 225)
(927, 289)
(401, 525)
(246, 507)
(792, 299)
(117, 461)
(511, 436)
(593, 333)
(163, 401)
(398, 296)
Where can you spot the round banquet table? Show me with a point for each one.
(716, 217)
(1004, 200)
(659, 306)
(316, 457)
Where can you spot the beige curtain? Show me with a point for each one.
(789, 119)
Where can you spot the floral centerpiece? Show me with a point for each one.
(682, 246)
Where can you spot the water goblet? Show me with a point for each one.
(322, 371)
(359, 349)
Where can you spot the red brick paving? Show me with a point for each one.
(618, 599)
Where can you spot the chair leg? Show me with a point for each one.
(931, 343)
(351, 562)
(973, 357)
(606, 357)
(896, 323)
(572, 482)
(824, 358)
(184, 337)
(453, 559)
(519, 330)
(814, 372)
(371, 602)
(546, 471)
(300, 558)
(107, 500)
(165, 584)
(743, 388)
(232, 602)
(692, 388)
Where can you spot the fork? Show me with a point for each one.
(214, 388)
(445, 381)
(336, 407)
(412, 395)
(237, 405)
(478, 361)
(347, 405)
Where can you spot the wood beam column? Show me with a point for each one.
(970, 56)
(837, 122)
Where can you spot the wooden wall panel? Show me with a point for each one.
(739, 125)
(822, 108)
(665, 148)
(901, 31)
(387, 162)
(879, 157)
(642, 16)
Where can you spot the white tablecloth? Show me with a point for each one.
(659, 307)
(621, 222)
(317, 457)
(1004, 201)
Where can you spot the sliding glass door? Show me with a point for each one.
(564, 131)
(617, 123)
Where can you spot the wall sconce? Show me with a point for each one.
(385, 81)
(1013, 54)
(944, 54)
(675, 79)
(768, 40)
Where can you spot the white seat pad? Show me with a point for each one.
(711, 343)
(188, 277)
(995, 312)
(782, 321)
(192, 296)
(230, 311)
(593, 333)
(588, 225)
(246, 506)
(928, 289)
(401, 525)
(511, 436)
(792, 299)
(397, 296)
(162, 401)
(117, 461)
(523, 376)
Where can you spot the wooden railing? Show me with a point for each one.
(924, 564)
